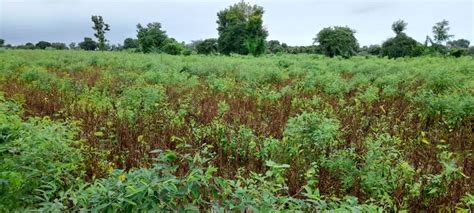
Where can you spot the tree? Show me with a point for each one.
(59, 46)
(241, 30)
(399, 26)
(100, 28)
(29, 46)
(72, 46)
(2, 42)
(130, 43)
(42, 45)
(440, 32)
(151, 38)
(372, 50)
(460, 43)
(274, 46)
(88, 44)
(172, 47)
(206, 46)
(400, 46)
(337, 41)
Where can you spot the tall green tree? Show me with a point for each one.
(440, 32)
(2, 42)
(337, 41)
(151, 38)
(241, 30)
(100, 28)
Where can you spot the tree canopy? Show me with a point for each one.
(241, 30)
(336, 41)
(129, 43)
(151, 38)
(100, 28)
(42, 45)
(399, 26)
(88, 44)
(440, 31)
(206, 46)
(459, 43)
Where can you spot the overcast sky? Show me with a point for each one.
(292, 21)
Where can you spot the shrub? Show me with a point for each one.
(401, 46)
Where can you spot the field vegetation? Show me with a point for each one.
(117, 131)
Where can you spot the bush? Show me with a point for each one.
(39, 160)
(401, 46)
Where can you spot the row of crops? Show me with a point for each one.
(103, 131)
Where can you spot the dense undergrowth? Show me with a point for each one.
(127, 132)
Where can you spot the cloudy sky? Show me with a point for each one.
(292, 21)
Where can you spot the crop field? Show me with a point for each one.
(117, 131)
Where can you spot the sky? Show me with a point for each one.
(295, 22)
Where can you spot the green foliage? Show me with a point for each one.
(240, 29)
(59, 46)
(337, 41)
(172, 47)
(151, 38)
(100, 27)
(459, 43)
(399, 26)
(274, 46)
(206, 46)
(401, 46)
(39, 160)
(136, 101)
(310, 135)
(88, 44)
(440, 31)
(42, 45)
(280, 132)
(130, 43)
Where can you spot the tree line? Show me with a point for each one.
(241, 31)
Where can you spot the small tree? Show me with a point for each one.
(100, 28)
(88, 44)
(274, 46)
(206, 46)
(337, 41)
(399, 26)
(2, 42)
(440, 32)
(172, 47)
(130, 43)
(151, 38)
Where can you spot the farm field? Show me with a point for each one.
(117, 131)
